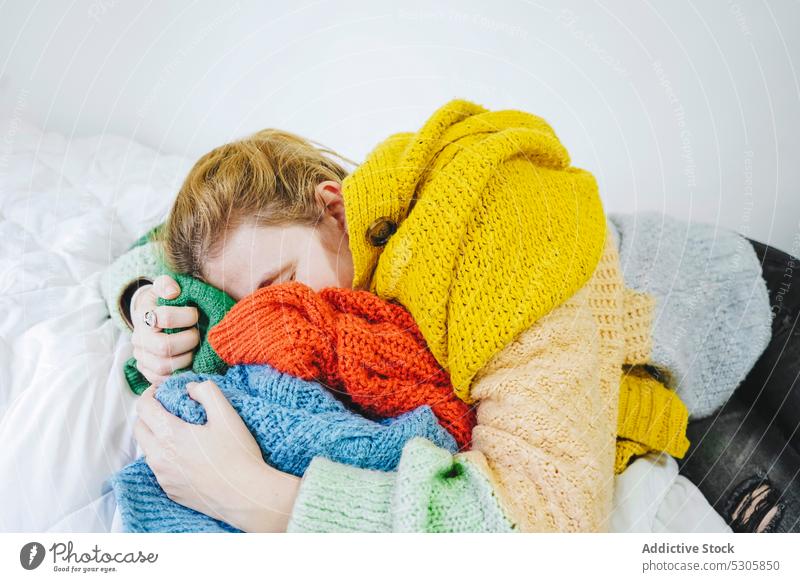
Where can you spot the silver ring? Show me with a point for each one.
(150, 318)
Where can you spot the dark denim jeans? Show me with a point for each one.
(756, 435)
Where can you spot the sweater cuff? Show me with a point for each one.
(340, 498)
(127, 298)
(138, 264)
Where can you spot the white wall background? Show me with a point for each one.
(691, 108)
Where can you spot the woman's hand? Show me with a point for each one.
(159, 354)
(215, 468)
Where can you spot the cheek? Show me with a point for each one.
(321, 267)
(316, 272)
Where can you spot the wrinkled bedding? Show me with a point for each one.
(68, 207)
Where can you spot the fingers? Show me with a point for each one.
(165, 345)
(160, 422)
(169, 316)
(145, 437)
(156, 452)
(162, 366)
(153, 377)
(166, 287)
(213, 400)
(144, 301)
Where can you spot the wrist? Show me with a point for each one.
(269, 497)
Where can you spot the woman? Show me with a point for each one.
(520, 297)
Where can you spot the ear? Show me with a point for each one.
(329, 193)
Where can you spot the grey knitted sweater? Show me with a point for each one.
(712, 316)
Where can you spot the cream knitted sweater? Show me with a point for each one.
(547, 419)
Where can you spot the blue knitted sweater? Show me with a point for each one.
(292, 420)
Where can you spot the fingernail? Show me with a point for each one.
(172, 289)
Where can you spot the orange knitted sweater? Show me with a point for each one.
(359, 345)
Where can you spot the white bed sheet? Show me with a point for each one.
(68, 207)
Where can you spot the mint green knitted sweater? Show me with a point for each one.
(431, 491)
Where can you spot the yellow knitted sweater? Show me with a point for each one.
(498, 247)
(494, 228)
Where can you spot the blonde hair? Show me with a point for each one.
(269, 178)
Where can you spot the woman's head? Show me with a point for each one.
(262, 210)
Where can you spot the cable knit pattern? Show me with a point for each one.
(355, 343)
(712, 317)
(292, 420)
(506, 225)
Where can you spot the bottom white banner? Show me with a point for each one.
(375, 557)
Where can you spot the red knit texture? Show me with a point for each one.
(354, 342)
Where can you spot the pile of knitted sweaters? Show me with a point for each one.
(340, 374)
(573, 342)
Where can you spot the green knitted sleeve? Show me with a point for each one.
(144, 262)
(431, 491)
(212, 304)
(139, 263)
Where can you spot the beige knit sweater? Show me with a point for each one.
(547, 418)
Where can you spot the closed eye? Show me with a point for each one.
(280, 277)
(272, 281)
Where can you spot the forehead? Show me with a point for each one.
(249, 251)
(240, 247)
